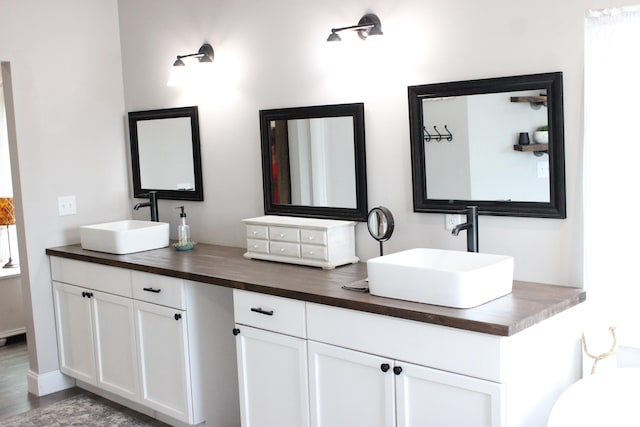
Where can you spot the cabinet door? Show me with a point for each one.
(272, 374)
(116, 355)
(349, 388)
(165, 380)
(75, 332)
(429, 397)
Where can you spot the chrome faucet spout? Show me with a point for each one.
(471, 226)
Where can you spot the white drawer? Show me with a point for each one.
(260, 246)
(285, 249)
(315, 252)
(269, 312)
(257, 232)
(284, 234)
(100, 277)
(313, 237)
(156, 289)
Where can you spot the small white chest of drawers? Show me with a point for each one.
(306, 241)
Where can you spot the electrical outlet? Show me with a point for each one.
(451, 220)
(66, 205)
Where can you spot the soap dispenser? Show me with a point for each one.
(184, 233)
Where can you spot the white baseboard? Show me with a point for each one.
(49, 382)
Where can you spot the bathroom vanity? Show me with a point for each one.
(307, 352)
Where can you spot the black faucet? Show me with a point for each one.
(153, 205)
(472, 228)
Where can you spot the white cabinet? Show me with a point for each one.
(96, 340)
(360, 389)
(155, 341)
(350, 388)
(431, 397)
(75, 332)
(272, 366)
(115, 343)
(306, 241)
(164, 359)
(415, 381)
(272, 373)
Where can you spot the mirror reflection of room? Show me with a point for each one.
(480, 162)
(313, 162)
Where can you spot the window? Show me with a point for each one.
(612, 169)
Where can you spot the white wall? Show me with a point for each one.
(276, 56)
(66, 76)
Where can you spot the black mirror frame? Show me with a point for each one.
(356, 111)
(552, 82)
(168, 113)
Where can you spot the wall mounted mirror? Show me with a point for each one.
(467, 149)
(313, 161)
(165, 153)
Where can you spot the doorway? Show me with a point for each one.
(12, 308)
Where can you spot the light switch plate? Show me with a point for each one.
(67, 205)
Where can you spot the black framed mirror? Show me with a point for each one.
(313, 161)
(165, 153)
(494, 143)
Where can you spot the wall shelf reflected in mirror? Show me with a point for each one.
(314, 162)
(483, 166)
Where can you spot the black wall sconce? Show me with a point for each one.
(369, 25)
(203, 55)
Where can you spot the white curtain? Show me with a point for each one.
(612, 170)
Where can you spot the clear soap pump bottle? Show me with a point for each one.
(184, 233)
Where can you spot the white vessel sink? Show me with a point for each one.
(441, 277)
(124, 237)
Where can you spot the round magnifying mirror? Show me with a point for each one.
(380, 224)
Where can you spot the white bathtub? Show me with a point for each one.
(610, 398)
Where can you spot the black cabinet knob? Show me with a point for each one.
(177, 316)
(385, 367)
(235, 331)
(84, 294)
(397, 370)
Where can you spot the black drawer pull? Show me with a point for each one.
(155, 291)
(261, 311)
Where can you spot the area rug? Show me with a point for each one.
(75, 411)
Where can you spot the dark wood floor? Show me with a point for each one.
(14, 397)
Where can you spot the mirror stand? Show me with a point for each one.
(380, 224)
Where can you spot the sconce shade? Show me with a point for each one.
(369, 25)
(334, 37)
(7, 212)
(178, 75)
